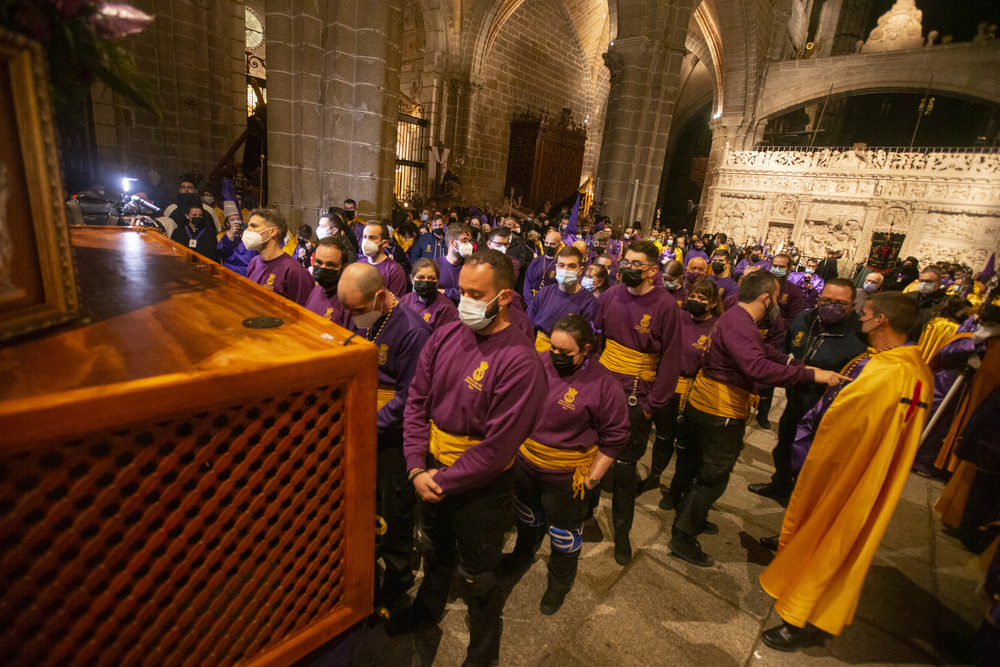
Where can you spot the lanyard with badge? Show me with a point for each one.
(193, 240)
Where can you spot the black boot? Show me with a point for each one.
(788, 638)
(686, 547)
(552, 600)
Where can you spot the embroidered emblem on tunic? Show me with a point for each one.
(702, 343)
(427, 317)
(644, 322)
(328, 313)
(798, 339)
(383, 354)
(270, 282)
(567, 400)
(473, 381)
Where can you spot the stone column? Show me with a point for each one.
(333, 97)
(645, 75)
(724, 130)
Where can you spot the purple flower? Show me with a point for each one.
(115, 19)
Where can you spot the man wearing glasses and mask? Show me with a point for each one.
(642, 327)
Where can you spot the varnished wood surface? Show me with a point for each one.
(153, 309)
(159, 320)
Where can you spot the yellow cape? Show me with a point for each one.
(936, 333)
(848, 489)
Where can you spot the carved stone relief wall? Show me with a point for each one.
(947, 203)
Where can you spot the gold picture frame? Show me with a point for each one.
(37, 278)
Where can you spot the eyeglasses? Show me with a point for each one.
(634, 265)
(823, 301)
(501, 245)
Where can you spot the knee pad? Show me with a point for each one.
(528, 516)
(477, 584)
(566, 541)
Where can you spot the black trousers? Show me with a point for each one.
(665, 420)
(394, 501)
(468, 525)
(550, 504)
(625, 482)
(766, 398)
(720, 441)
(688, 462)
(795, 409)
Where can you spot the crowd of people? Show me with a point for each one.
(526, 362)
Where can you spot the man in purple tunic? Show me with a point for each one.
(542, 270)
(398, 334)
(273, 268)
(566, 297)
(374, 240)
(478, 392)
(756, 259)
(642, 329)
(697, 249)
(425, 300)
(719, 403)
(790, 303)
(458, 239)
(729, 289)
(810, 283)
(329, 260)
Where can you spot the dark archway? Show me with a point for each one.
(677, 185)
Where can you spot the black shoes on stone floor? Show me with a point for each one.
(788, 638)
(770, 543)
(552, 600)
(770, 490)
(763, 422)
(687, 548)
(623, 550)
(408, 619)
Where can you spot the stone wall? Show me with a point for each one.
(193, 55)
(947, 203)
(536, 62)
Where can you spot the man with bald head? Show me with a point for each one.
(399, 334)
(542, 270)
(872, 285)
(697, 268)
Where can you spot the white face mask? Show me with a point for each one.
(473, 312)
(423, 217)
(871, 287)
(925, 286)
(321, 233)
(588, 283)
(565, 277)
(464, 249)
(502, 249)
(366, 320)
(369, 248)
(253, 240)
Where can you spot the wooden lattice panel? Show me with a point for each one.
(199, 540)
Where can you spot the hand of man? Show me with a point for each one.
(829, 378)
(426, 488)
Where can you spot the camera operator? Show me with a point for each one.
(195, 235)
(232, 252)
(187, 192)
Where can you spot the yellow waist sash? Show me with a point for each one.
(719, 399)
(553, 458)
(446, 447)
(383, 395)
(542, 342)
(620, 359)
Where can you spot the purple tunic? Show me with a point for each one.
(328, 307)
(551, 304)
(489, 388)
(448, 280)
(810, 294)
(737, 356)
(730, 290)
(791, 301)
(235, 255)
(764, 264)
(694, 339)
(680, 294)
(282, 275)
(651, 324)
(541, 272)
(435, 313)
(399, 342)
(393, 275)
(584, 409)
(806, 430)
(520, 320)
(692, 253)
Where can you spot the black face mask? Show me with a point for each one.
(349, 215)
(549, 251)
(631, 277)
(696, 308)
(326, 278)
(563, 363)
(197, 222)
(718, 267)
(599, 249)
(755, 257)
(425, 289)
(438, 232)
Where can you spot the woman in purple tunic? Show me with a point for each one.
(434, 307)
(574, 443)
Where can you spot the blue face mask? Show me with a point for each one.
(778, 272)
(809, 269)
(672, 285)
